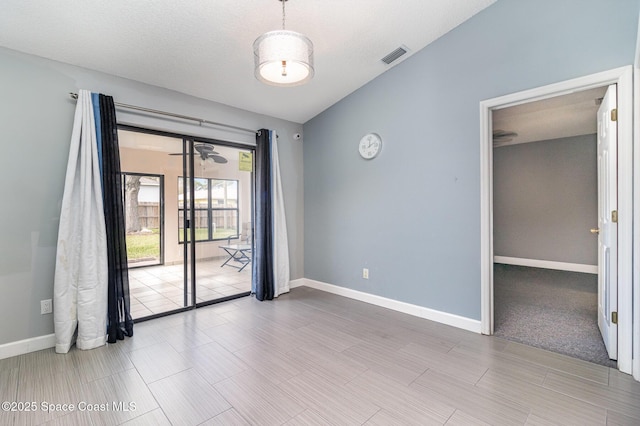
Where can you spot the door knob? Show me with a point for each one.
(595, 230)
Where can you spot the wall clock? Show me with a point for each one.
(370, 146)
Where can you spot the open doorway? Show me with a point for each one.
(545, 198)
(621, 77)
(144, 216)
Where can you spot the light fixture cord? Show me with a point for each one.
(284, 62)
(283, 2)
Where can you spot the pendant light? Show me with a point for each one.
(282, 57)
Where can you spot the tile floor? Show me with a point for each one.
(312, 358)
(157, 289)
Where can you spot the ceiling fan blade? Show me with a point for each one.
(203, 148)
(218, 159)
(203, 155)
(499, 133)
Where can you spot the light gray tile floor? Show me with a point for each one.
(312, 358)
(158, 289)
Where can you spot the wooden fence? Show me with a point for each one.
(149, 215)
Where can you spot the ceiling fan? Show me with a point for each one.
(206, 152)
(502, 137)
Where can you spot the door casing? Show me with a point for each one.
(623, 77)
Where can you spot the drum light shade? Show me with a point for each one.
(283, 58)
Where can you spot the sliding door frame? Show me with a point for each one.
(189, 249)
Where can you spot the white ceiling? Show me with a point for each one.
(204, 48)
(165, 144)
(558, 117)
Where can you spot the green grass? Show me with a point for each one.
(147, 246)
(143, 246)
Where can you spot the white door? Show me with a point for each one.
(607, 223)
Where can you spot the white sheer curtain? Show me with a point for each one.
(271, 250)
(80, 283)
(280, 243)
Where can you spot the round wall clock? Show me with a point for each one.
(370, 146)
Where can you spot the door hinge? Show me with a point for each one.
(614, 114)
(614, 216)
(614, 317)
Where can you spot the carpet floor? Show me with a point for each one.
(552, 310)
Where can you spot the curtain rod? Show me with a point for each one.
(170, 114)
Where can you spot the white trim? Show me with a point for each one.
(636, 210)
(547, 264)
(296, 283)
(623, 78)
(486, 219)
(28, 345)
(406, 308)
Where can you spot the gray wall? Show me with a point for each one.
(36, 117)
(545, 200)
(412, 215)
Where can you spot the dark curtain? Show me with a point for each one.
(119, 321)
(263, 279)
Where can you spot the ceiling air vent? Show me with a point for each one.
(395, 54)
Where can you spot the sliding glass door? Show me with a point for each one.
(222, 211)
(189, 203)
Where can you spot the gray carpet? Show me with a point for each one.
(553, 310)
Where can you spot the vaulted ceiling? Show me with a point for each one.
(204, 48)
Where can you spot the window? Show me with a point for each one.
(216, 208)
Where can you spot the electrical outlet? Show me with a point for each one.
(46, 307)
(365, 273)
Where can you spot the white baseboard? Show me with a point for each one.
(28, 345)
(407, 308)
(296, 283)
(49, 341)
(547, 264)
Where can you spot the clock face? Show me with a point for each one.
(370, 146)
